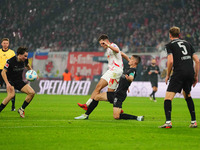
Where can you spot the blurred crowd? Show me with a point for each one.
(72, 25)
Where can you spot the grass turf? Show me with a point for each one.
(49, 124)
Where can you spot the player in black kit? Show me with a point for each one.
(117, 97)
(12, 75)
(180, 56)
(153, 71)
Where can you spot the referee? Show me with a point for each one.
(5, 54)
(153, 71)
(181, 55)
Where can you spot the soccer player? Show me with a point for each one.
(153, 71)
(115, 64)
(5, 54)
(180, 56)
(117, 97)
(12, 75)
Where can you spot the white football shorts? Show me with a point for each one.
(112, 77)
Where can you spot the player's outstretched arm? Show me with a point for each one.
(113, 48)
(125, 56)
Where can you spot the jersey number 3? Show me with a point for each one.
(181, 45)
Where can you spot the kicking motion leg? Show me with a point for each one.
(93, 105)
(101, 84)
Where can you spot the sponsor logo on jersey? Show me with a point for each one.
(6, 65)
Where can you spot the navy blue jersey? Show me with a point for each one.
(182, 52)
(15, 68)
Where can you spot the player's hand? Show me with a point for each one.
(195, 81)
(150, 73)
(127, 77)
(156, 72)
(128, 90)
(105, 43)
(166, 79)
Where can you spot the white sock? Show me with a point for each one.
(88, 102)
(168, 121)
(193, 121)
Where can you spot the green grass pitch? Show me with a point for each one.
(49, 125)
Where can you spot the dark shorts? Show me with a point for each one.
(180, 81)
(1, 79)
(154, 83)
(113, 99)
(18, 84)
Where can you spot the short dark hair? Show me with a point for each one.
(21, 50)
(103, 37)
(4, 39)
(174, 31)
(137, 58)
(66, 71)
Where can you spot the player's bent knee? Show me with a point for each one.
(116, 117)
(31, 93)
(10, 96)
(97, 97)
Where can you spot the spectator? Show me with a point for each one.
(67, 76)
(77, 77)
(63, 25)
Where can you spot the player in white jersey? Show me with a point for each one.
(115, 64)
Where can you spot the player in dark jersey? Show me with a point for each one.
(12, 75)
(117, 97)
(180, 56)
(153, 71)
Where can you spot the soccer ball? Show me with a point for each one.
(31, 75)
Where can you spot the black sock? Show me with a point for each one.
(2, 106)
(151, 93)
(92, 106)
(168, 109)
(25, 104)
(191, 108)
(154, 95)
(127, 116)
(13, 102)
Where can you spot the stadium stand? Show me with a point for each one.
(70, 25)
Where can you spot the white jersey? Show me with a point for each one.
(114, 59)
